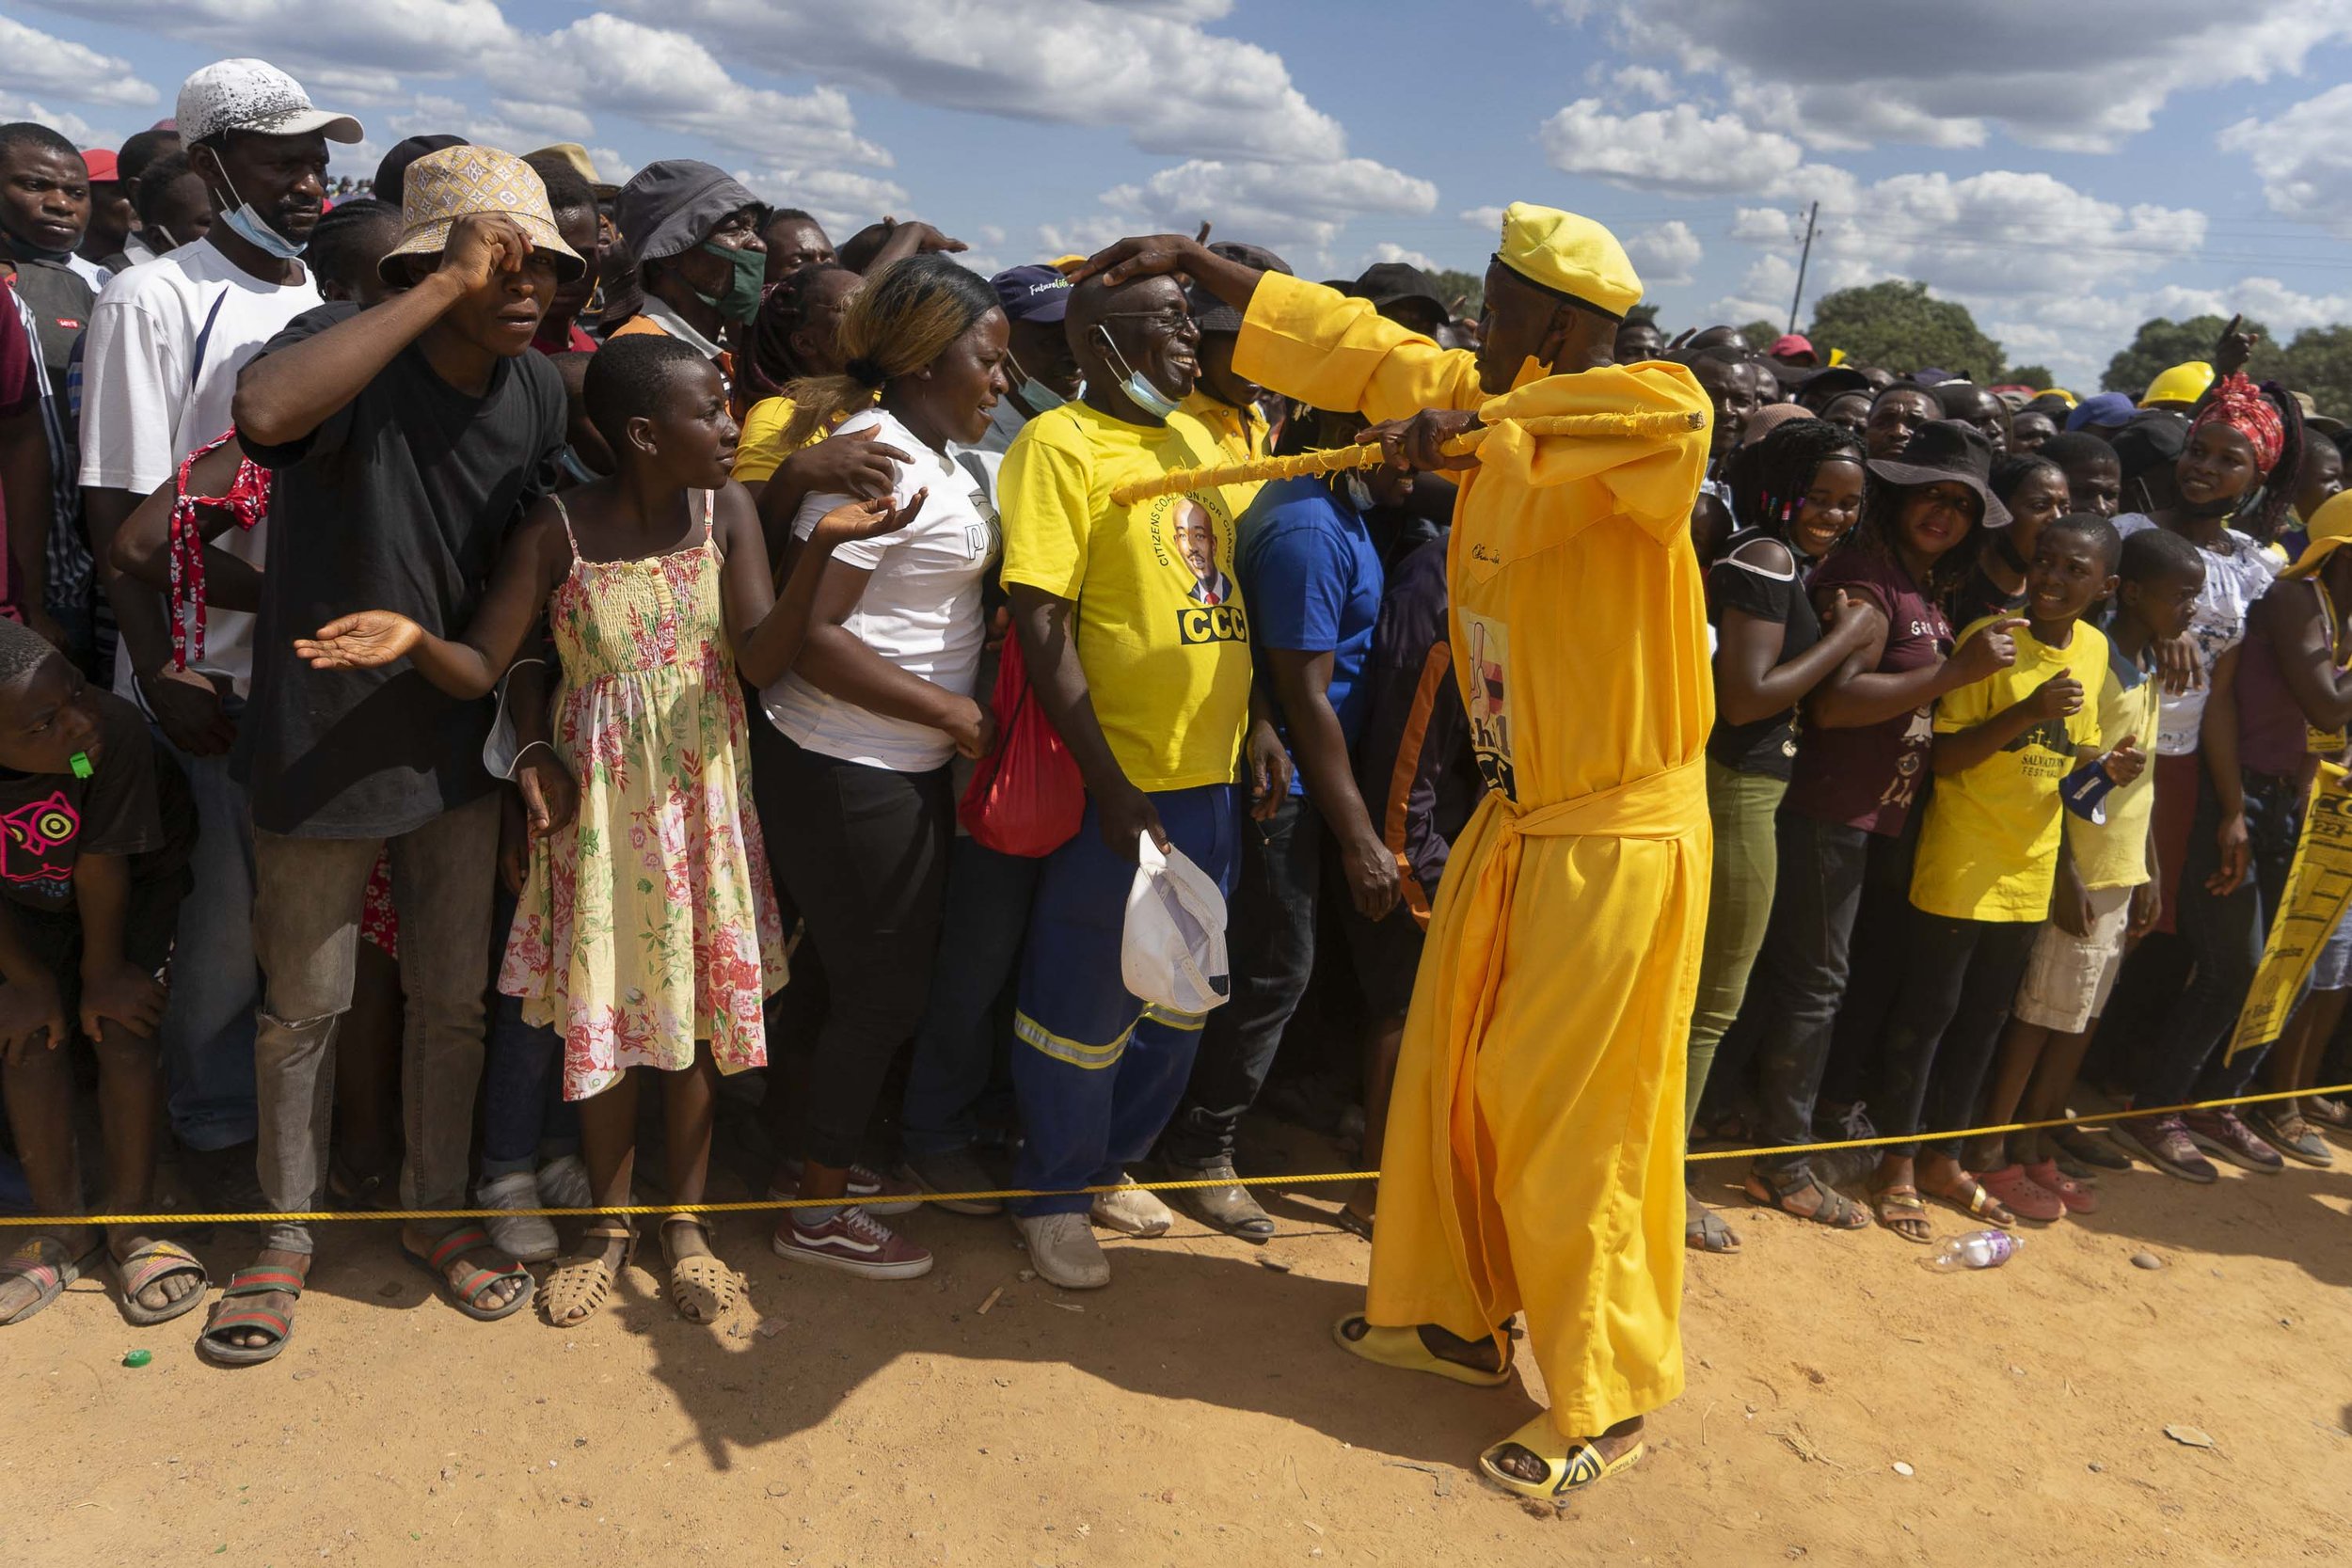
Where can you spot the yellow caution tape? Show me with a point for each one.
(1332, 460)
(756, 1205)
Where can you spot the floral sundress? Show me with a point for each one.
(651, 921)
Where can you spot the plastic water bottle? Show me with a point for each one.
(1979, 1249)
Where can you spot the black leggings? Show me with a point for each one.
(1958, 981)
(862, 853)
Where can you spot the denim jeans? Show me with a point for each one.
(982, 924)
(2225, 936)
(1958, 977)
(208, 1026)
(1874, 962)
(1738, 910)
(308, 893)
(523, 1109)
(1820, 878)
(1271, 936)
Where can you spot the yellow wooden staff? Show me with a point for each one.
(1332, 460)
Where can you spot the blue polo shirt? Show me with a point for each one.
(1311, 575)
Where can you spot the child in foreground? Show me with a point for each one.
(1988, 859)
(647, 932)
(2105, 897)
(93, 864)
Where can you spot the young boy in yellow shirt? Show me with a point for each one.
(1988, 858)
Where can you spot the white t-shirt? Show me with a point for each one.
(920, 610)
(147, 400)
(2232, 583)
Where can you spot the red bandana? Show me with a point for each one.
(2240, 405)
(248, 499)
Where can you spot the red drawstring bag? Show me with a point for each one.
(1026, 797)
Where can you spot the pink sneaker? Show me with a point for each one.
(2023, 1198)
(2079, 1198)
(852, 1241)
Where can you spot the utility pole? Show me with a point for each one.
(1802, 257)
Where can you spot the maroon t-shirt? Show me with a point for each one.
(1868, 777)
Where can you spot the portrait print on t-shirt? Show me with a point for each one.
(1191, 539)
(1488, 675)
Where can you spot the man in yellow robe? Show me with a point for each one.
(1533, 1155)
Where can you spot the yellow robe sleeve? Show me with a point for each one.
(1316, 344)
(1651, 480)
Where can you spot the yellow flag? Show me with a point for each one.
(2318, 888)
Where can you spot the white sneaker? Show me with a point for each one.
(525, 1238)
(1064, 1252)
(1133, 1213)
(563, 1182)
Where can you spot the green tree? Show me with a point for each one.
(2036, 376)
(1896, 324)
(1468, 286)
(2319, 361)
(2159, 344)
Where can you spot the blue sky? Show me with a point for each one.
(2065, 171)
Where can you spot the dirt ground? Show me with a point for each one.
(1196, 1412)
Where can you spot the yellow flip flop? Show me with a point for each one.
(1567, 1467)
(1401, 1348)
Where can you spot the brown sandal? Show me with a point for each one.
(1978, 1204)
(1901, 1204)
(1830, 1208)
(703, 1289)
(577, 1286)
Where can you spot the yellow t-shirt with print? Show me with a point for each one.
(1162, 633)
(759, 451)
(1988, 849)
(1241, 435)
(2115, 853)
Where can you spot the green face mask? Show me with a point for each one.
(740, 301)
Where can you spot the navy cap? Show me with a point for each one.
(1035, 294)
(2102, 411)
(392, 175)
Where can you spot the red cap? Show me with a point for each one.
(101, 164)
(1793, 346)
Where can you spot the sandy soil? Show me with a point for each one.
(1196, 1412)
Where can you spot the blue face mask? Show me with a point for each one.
(246, 220)
(1034, 394)
(1139, 387)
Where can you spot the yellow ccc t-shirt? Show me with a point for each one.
(1162, 632)
(1988, 848)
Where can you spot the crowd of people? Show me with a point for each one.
(488, 643)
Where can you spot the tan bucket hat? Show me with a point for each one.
(443, 187)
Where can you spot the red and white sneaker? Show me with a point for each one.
(865, 1181)
(852, 1241)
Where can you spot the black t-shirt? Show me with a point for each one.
(1978, 596)
(400, 501)
(1767, 745)
(135, 802)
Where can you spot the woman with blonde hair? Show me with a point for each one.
(851, 770)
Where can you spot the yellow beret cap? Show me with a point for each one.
(1568, 255)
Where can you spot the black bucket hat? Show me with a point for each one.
(1942, 450)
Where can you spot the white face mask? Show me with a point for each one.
(1140, 389)
(249, 225)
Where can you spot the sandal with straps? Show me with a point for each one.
(1568, 1467)
(143, 1266)
(49, 1266)
(701, 1288)
(577, 1286)
(1978, 1204)
(1771, 1189)
(261, 1279)
(1900, 1204)
(467, 1296)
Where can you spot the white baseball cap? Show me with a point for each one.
(254, 95)
(1172, 951)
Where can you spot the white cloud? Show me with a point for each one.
(1389, 250)
(1272, 204)
(843, 202)
(1680, 150)
(668, 81)
(1488, 218)
(31, 61)
(1153, 71)
(1665, 255)
(426, 37)
(2304, 157)
(517, 128)
(2083, 76)
(1645, 82)
(73, 127)
(343, 88)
